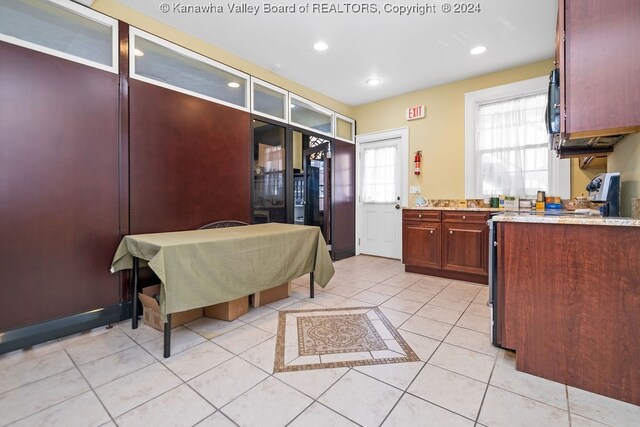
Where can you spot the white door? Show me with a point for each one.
(381, 194)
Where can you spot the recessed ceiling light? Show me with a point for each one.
(320, 46)
(233, 84)
(478, 50)
(138, 52)
(374, 81)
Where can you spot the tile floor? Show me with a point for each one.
(221, 373)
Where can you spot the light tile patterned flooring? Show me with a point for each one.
(221, 373)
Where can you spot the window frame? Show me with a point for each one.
(136, 32)
(84, 12)
(559, 170)
(256, 81)
(316, 107)
(338, 116)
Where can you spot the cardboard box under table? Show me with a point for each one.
(270, 295)
(229, 310)
(151, 310)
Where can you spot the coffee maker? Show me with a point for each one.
(605, 188)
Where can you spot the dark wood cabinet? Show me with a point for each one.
(599, 61)
(449, 244)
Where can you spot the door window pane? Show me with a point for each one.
(379, 175)
(268, 173)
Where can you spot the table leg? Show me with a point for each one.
(311, 285)
(134, 294)
(167, 336)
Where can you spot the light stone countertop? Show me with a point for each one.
(573, 219)
(448, 208)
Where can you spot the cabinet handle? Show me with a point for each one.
(464, 217)
(450, 231)
(420, 216)
(431, 231)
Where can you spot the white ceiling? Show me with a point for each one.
(407, 52)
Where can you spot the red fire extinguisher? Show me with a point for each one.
(417, 161)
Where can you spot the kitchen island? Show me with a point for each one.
(567, 299)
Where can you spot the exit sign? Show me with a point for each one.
(416, 112)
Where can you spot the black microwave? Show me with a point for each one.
(552, 116)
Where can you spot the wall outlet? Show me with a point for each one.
(414, 189)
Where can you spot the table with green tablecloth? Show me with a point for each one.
(205, 267)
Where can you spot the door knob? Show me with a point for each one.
(397, 205)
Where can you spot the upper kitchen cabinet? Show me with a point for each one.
(599, 65)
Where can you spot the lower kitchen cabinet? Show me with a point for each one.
(452, 244)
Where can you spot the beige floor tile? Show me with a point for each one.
(361, 398)
(450, 303)
(427, 327)
(404, 305)
(449, 390)
(412, 411)
(403, 279)
(313, 382)
(227, 381)
(476, 323)
(110, 342)
(602, 408)
(383, 288)
(418, 296)
(398, 375)
(256, 313)
(318, 415)
(179, 406)
(211, 328)
(326, 299)
(109, 368)
(350, 302)
(262, 355)
(181, 339)
(242, 338)
(471, 340)
(270, 403)
(268, 323)
(127, 392)
(24, 355)
(466, 362)
(578, 421)
(478, 310)
(371, 297)
(26, 400)
(440, 314)
(80, 411)
(140, 335)
(423, 346)
(217, 420)
(27, 370)
(345, 357)
(196, 360)
(283, 303)
(503, 408)
(396, 317)
(506, 377)
(304, 305)
(344, 291)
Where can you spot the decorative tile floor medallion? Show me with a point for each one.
(337, 337)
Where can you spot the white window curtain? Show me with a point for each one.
(506, 143)
(379, 175)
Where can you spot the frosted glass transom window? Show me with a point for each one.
(379, 175)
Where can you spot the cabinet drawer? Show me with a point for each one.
(420, 215)
(463, 216)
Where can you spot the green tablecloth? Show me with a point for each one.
(204, 267)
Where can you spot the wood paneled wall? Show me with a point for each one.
(189, 161)
(343, 238)
(59, 201)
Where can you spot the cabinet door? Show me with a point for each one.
(464, 248)
(421, 244)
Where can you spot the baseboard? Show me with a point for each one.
(448, 274)
(28, 336)
(343, 253)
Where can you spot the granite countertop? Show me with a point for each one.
(567, 218)
(449, 208)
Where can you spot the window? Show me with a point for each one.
(379, 179)
(310, 116)
(268, 100)
(506, 143)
